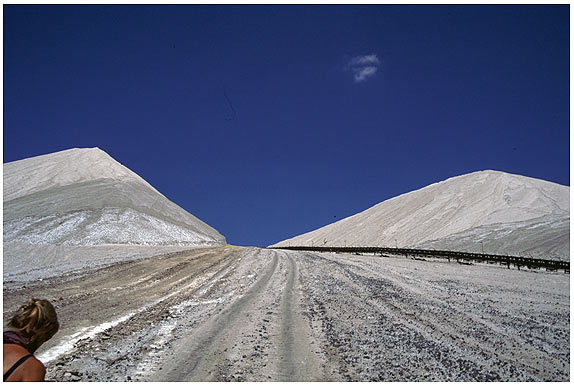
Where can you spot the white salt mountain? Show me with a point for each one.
(85, 197)
(488, 211)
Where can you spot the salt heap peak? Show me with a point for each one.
(85, 197)
(63, 168)
(488, 211)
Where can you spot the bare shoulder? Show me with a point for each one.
(33, 370)
(13, 350)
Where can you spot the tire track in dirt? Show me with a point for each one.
(289, 369)
(196, 354)
(298, 361)
(263, 335)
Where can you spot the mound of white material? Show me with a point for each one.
(488, 210)
(85, 197)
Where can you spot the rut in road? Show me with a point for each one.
(196, 353)
(262, 334)
(298, 362)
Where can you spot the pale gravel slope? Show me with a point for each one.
(497, 211)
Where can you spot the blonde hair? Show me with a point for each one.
(37, 320)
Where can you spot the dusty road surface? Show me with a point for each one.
(248, 314)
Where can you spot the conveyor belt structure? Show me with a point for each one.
(461, 257)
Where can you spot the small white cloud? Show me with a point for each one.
(363, 73)
(366, 60)
(364, 67)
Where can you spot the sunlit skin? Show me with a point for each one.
(30, 371)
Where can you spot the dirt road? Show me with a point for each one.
(248, 314)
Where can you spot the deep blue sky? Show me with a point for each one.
(252, 117)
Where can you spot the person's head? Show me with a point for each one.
(37, 320)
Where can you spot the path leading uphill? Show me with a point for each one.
(248, 314)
